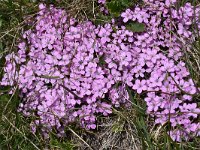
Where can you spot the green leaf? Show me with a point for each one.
(127, 3)
(114, 8)
(136, 26)
(4, 88)
(4, 98)
(102, 61)
(138, 108)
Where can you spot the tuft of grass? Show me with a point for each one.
(14, 128)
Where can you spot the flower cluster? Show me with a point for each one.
(60, 78)
(162, 74)
(71, 72)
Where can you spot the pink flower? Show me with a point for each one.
(140, 86)
(127, 15)
(101, 1)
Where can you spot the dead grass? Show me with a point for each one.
(113, 133)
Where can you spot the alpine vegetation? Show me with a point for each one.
(70, 72)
